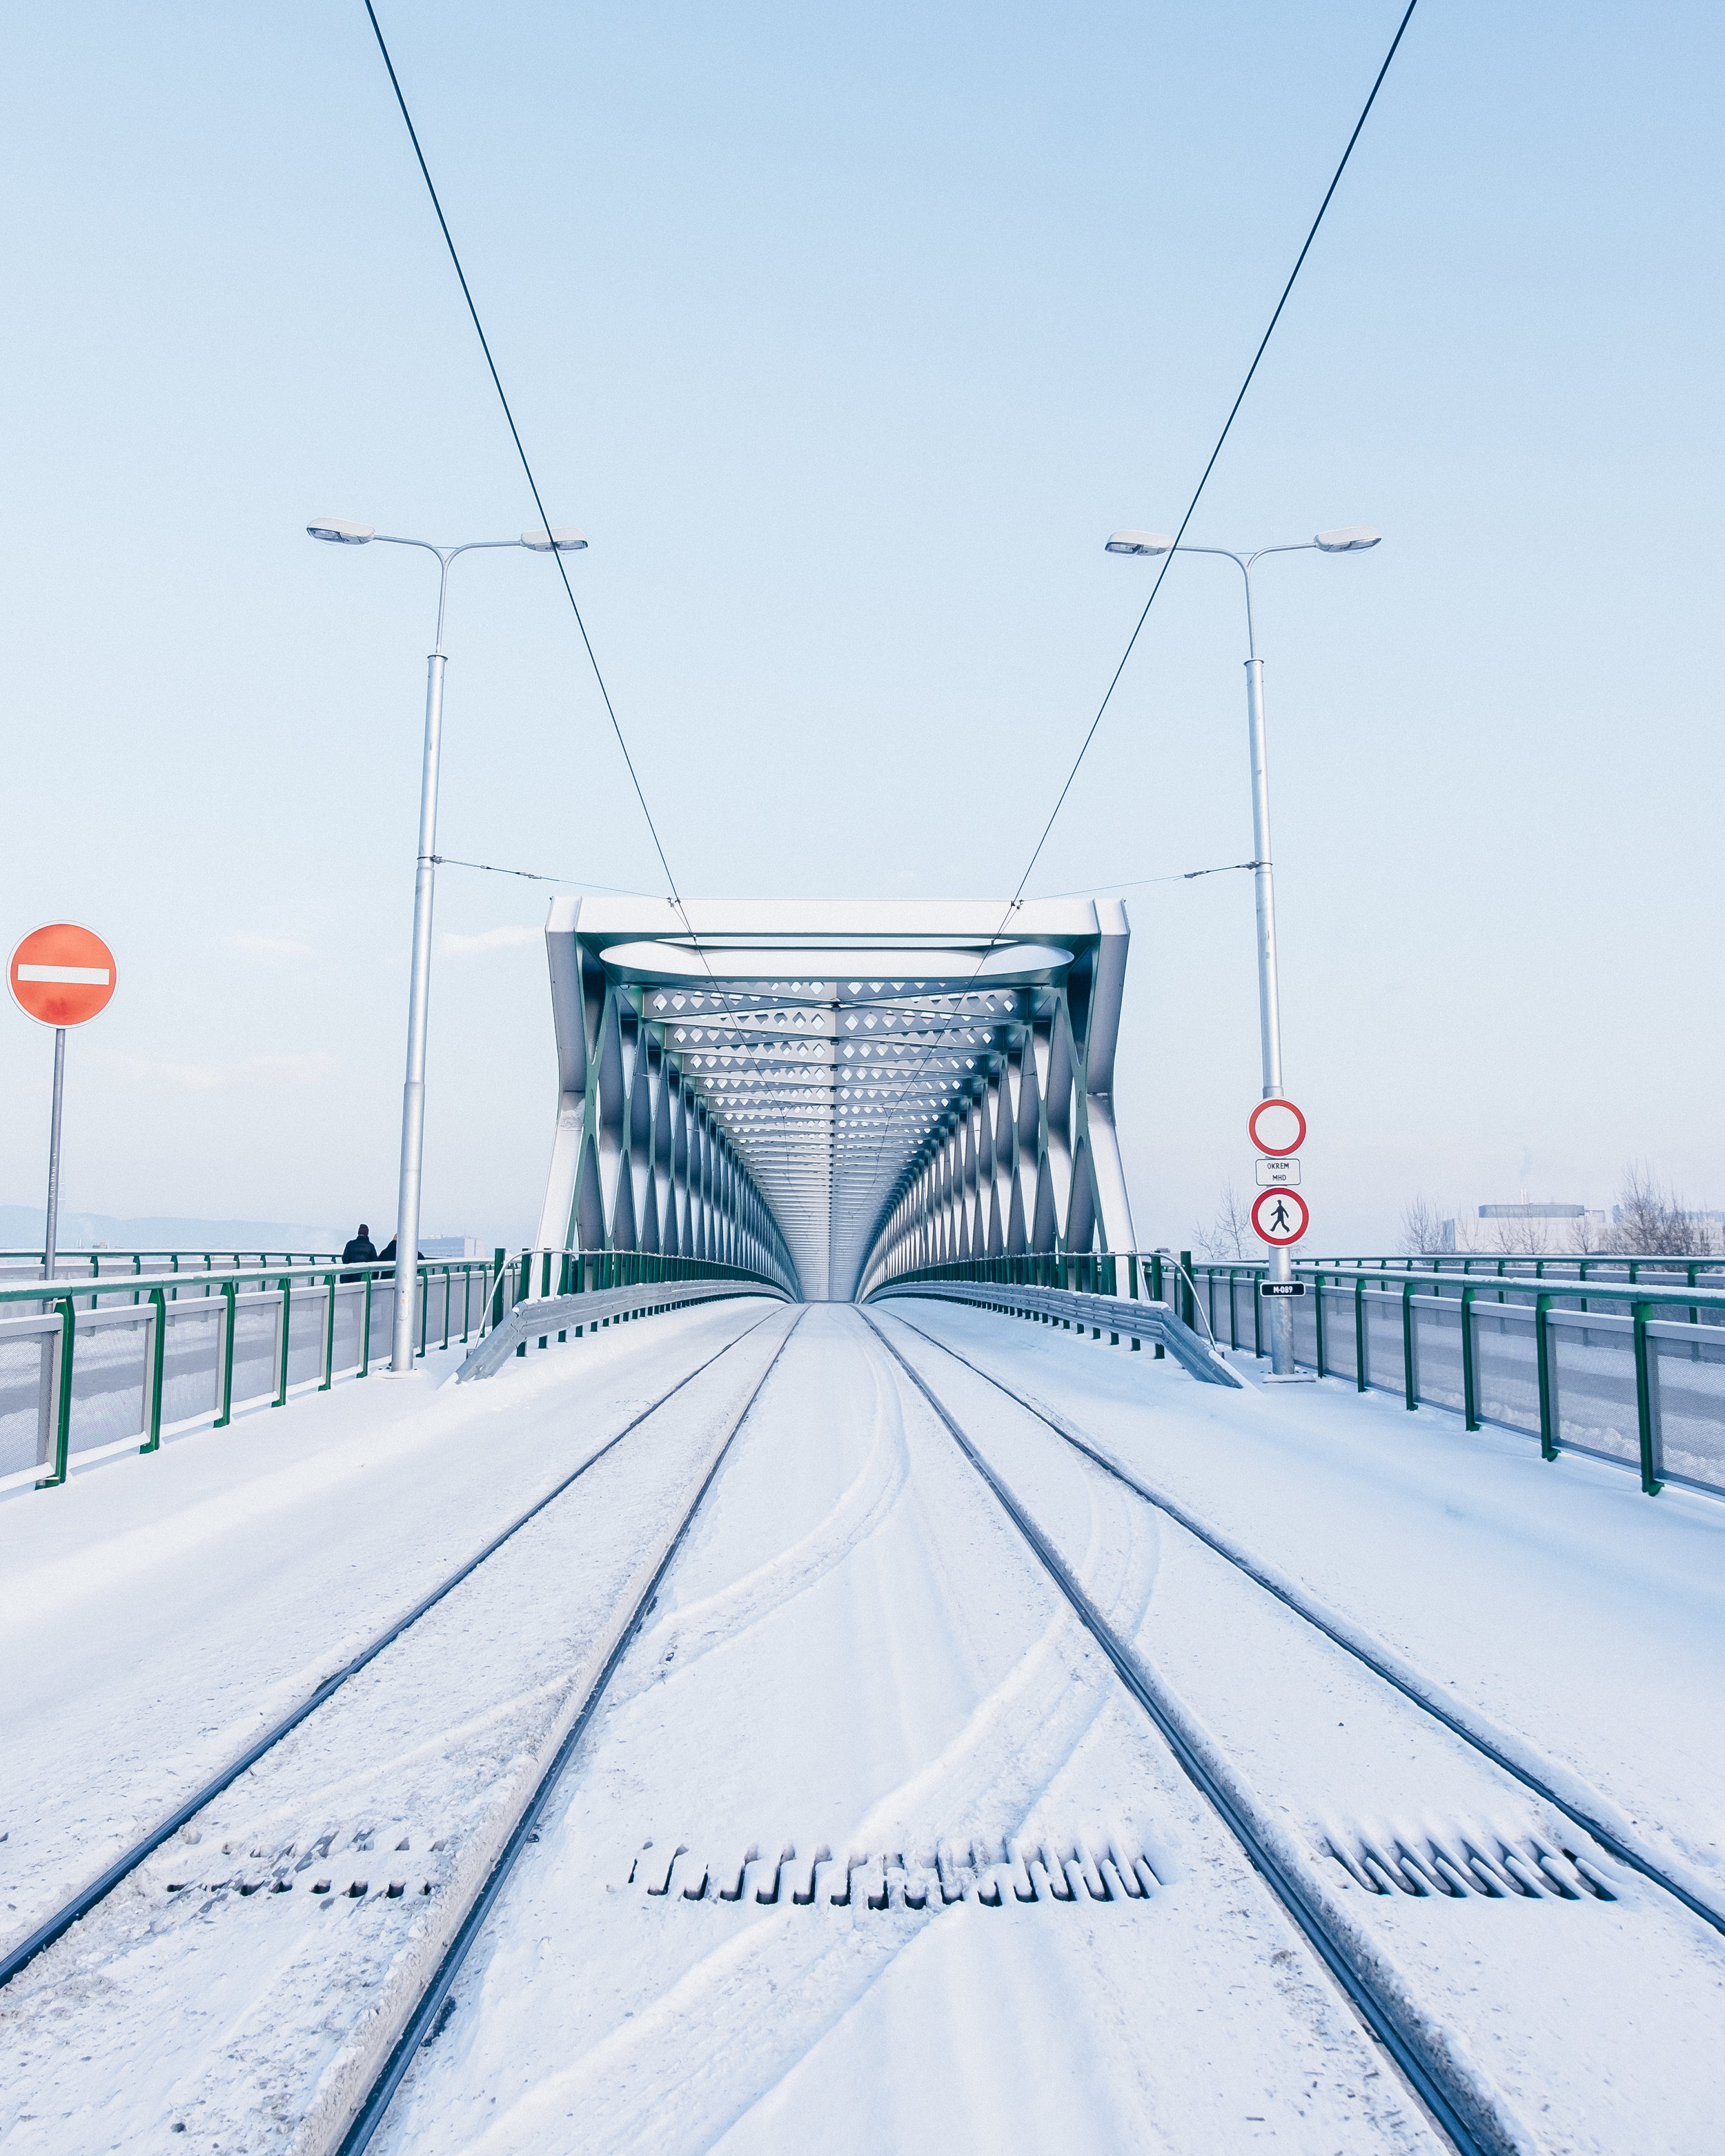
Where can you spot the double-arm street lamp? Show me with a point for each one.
(1351, 539)
(338, 532)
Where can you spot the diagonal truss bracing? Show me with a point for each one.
(828, 1092)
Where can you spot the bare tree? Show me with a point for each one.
(1521, 1237)
(1230, 1236)
(1652, 1222)
(1587, 1236)
(1422, 1232)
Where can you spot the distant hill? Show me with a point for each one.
(21, 1229)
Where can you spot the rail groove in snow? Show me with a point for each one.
(1425, 1695)
(422, 2021)
(98, 1890)
(1457, 2110)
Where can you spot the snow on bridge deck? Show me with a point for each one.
(851, 1654)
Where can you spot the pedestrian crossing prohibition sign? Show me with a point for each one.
(1280, 1217)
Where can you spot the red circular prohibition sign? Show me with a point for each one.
(1280, 1217)
(1275, 1152)
(62, 974)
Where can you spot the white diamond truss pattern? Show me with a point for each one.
(828, 1092)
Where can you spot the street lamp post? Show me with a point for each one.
(338, 532)
(1351, 539)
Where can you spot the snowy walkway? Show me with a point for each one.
(856, 1682)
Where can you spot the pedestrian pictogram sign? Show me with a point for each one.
(1280, 1217)
(62, 975)
(1277, 1127)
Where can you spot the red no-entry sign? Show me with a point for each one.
(62, 975)
(1280, 1217)
(1284, 1131)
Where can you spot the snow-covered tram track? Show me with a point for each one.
(1585, 1807)
(1516, 2039)
(89, 1896)
(869, 1851)
(212, 1999)
(421, 2022)
(1456, 2110)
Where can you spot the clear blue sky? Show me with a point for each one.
(849, 338)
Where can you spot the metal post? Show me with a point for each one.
(1281, 1267)
(1640, 1312)
(50, 1238)
(1542, 1343)
(412, 1114)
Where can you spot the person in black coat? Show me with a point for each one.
(359, 1252)
(386, 1256)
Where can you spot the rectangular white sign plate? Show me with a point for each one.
(1279, 1174)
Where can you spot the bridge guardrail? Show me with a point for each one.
(1136, 1319)
(76, 1266)
(99, 1364)
(1698, 1268)
(94, 1368)
(1627, 1369)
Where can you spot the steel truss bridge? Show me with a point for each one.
(833, 1092)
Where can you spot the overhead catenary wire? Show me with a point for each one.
(1017, 898)
(1138, 883)
(575, 883)
(520, 451)
(1221, 441)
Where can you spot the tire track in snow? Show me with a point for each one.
(728, 1613)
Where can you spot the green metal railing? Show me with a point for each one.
(102, 1264)
(545, 1272)
(460, 1300)
(1133, 1274)
(1600, 1266)
(1456, 1299)
(51, 1311)
(1137, 1275)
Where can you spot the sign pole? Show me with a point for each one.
(59, 975)
(1281, 1310)
(412, 1111)
(49, 1239)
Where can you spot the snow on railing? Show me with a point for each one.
(1626, 1363)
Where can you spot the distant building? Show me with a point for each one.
(450, 1246)
(1549, 1226)
(1525, 1212)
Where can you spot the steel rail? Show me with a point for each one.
(1624, 1852)
(1281, 1880)
(422, 2021)
(100, 1887)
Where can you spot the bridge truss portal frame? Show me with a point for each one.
(833, 1092)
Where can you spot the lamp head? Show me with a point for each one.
(339, 533)
(1140, 542)
(1348, 539)
(564, 537)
